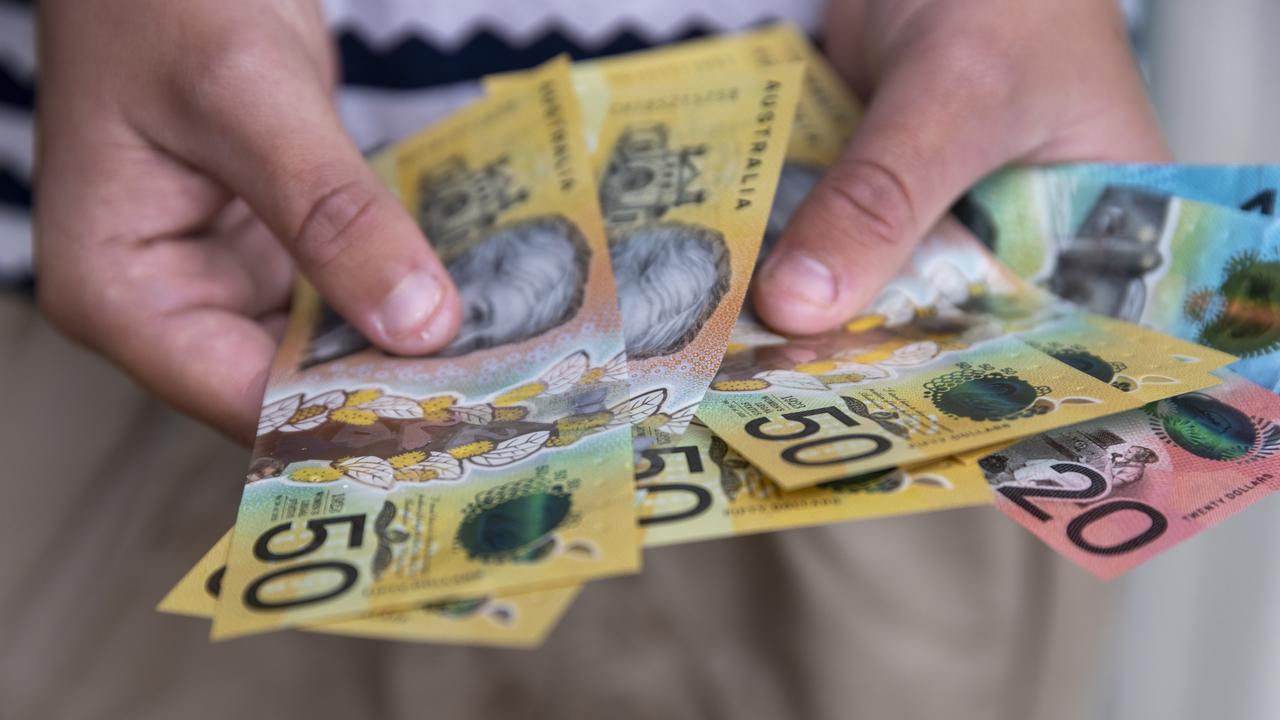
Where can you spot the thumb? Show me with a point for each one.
(923, 141)
(277, 142)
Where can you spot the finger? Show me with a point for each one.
(208, 363)
(251, 245)
(264, 124)
(913, 154)
(939, 121)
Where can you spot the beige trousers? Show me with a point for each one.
(108, 497)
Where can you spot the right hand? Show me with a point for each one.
(189, 154)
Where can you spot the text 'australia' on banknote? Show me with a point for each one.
(503, 462)
(686, 178)
(826, 112)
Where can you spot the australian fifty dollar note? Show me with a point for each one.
(504, 462)
(697, 487)
(957, 353)
(737, 129)
(520, 620)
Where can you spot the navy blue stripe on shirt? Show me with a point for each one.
(16, 91)
(14, 190)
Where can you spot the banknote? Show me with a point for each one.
(916, 376)
(521, 620)
(686, 176)
(503, 462)
(1202, 272)
(614, 91)
(696, 487)
(826, 112)
(1250, 188)
(1112, 492)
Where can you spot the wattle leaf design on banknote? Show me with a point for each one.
(379, 482)
(1201, 272)
(696, 487)
(519, 621)
(824, 108)
(1112, 492)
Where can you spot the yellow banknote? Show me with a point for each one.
(1132, 358)
(522, 620)
(687, 175)
(992, 391)
(696, 487)
(501, 463)
(825, 114)
(916, 376)
(615, 91)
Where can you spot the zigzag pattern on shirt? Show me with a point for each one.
(449, 25)
(14, 190)
(16, 91)
(415, 63)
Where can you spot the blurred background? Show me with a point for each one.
(1192, 634)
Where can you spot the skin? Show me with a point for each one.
(190, 159)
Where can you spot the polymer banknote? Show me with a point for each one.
(697, 487)
(958, 354)
(951, 298)
(825, 115)
(678, 312)
(1206, 273)
(687, 174)
(1110, 493)
(519, 621)
(1249, 188)
(503, 462)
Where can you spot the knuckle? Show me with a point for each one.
(328, 231)
(217, 77)
(872, 205)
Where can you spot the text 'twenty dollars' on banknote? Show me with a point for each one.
(1112, 492)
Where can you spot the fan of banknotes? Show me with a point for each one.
(1090, 348)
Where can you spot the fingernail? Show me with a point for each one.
(804, 278)
(409, 304)
(439, 326)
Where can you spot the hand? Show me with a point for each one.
(956, 90)
(189, 154)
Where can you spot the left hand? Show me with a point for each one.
(955, 90)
